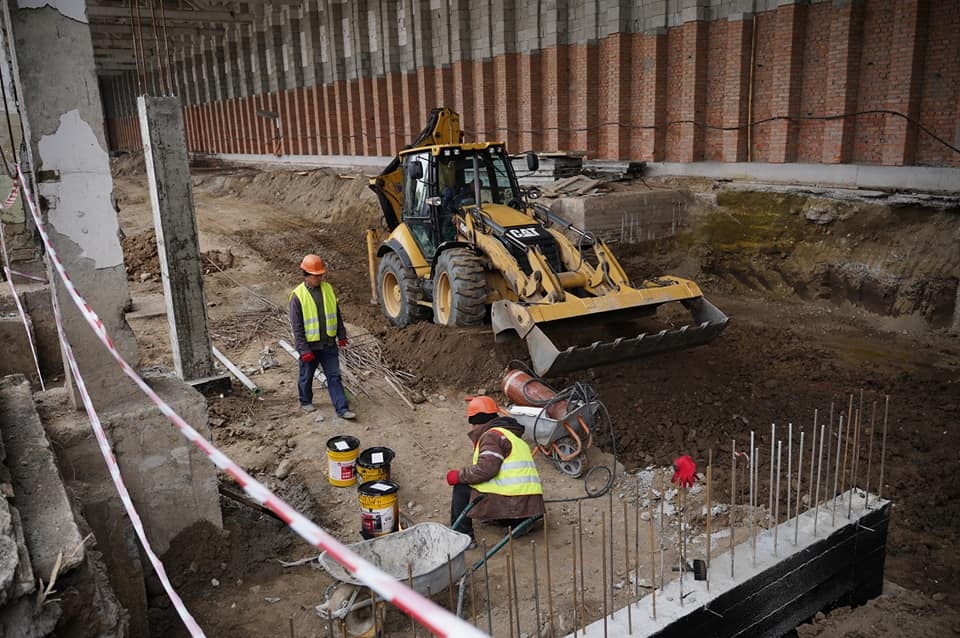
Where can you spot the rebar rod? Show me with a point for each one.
(681, 559)
(813, 448)
(486, 581)
(513, 576)
(450, 582)
(603, 562)
(626, 558)
(773, 453)
(883, 445)
(536, 588)
(663, 494)
(826, 466)
(836, 475)
(653, 560)
(846, 447)
(873, 427)
(510, 596)
(583, 602)
(751, 502)
(636, 540)
(816, 511)
(789, 466)
(473, 596)
(733, 499)
(413, 622)
(546, 549)
(755, 490)
(613, 603)
(854, 453)
(776, 500)
(709, 516)
(576, 610)
(796, 528)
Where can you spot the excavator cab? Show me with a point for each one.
(467, 243)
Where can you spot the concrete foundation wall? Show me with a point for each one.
(654, 80)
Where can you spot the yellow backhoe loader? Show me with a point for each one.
(465, 243)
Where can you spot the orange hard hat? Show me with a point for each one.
(313, 265)
(481, 405)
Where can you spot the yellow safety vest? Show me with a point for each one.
(518, 474)
(311, 314)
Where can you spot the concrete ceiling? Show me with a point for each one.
(158, 31)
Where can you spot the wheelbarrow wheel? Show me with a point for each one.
(573, 467)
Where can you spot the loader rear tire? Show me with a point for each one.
(459, 289)
(399, 291)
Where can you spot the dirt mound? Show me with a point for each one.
(142, 261)
(128, 164)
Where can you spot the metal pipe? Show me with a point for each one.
(776, 499)
(626, 558)
(244, 379)
(796, 529)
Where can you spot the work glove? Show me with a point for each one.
(307, 357)
(343, 342)
(453, 477)
(684, 471)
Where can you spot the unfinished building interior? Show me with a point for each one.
(169, 163)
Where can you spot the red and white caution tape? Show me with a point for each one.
(438, 620)
(11, 198)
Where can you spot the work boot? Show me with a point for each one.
(348, 415)
(307, 407)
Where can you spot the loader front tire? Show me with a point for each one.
(459, 289)
(399, 291)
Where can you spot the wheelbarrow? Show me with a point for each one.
(430, 554)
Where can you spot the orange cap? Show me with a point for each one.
(481, 405)
(313, 265)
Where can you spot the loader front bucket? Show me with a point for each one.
(549, 359)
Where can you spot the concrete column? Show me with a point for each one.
(842, 70)
(168, 170)
(787, 81)
(63, 117)
(907, 51)
(311, 47)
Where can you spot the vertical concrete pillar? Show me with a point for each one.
(843, 64)
(736, 88)
(908, 46)
(787, 81)
(168, 171)
(63, 126)
(358, 87)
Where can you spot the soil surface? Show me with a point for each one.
(835, 302)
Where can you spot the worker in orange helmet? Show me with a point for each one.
(318, 333)
(503, 471)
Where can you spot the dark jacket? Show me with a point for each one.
(496, 506)
(296, 324)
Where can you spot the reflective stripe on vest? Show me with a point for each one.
(311, 314)
(518, 474)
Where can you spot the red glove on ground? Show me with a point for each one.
(453, 477)
(343, 342)
(684, 471)
(307, 357)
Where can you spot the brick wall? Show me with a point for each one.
(682, 93)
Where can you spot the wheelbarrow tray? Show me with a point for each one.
(425, 548)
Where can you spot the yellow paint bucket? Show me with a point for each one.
(373, 464)
(379, 514)
(342, 454)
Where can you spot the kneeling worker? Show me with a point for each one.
(503, 472)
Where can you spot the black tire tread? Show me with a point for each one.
(468, 286)
(410, 290)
